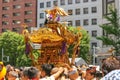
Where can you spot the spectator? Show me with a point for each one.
(72, 72)
(73, 75)
(110, 64)
(24, 74)
(90, 73)
(46, 72)
(33, 73)
(113, 75)
(12, 75)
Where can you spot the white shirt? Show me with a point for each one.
(113, 75)
(78, 78)
(48, 78)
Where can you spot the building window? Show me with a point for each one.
(27, 20)
(77, 11)
(70, 1)
(104, 32)
(85, 22)
(41, 5)
(16, 14)
(70, 12)
(94, 21)
(70, 23)
(94, 33)
(93, 44)
(93, 0)
(107, 4)
(110, 4)
(16, 6)
(55, 3)
(94, 9)
(4, 30)
(77, 1)
(15, 29)
(62, 2)
(41, 15)
(85, 10)
(28, 4)
(77, 22)
(85, 0)
(6, 1)
(15, 0)
(28, 12)
(16, 21)
(5, 23)
(5, 8)
(48, 4)
(41, 24)
(5, 15)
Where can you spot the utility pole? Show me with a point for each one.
(94, 55)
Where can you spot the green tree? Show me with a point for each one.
(23, 60)
(14, 47)
(111, 29)
(84, 43)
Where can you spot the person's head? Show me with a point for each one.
(24, 73)
(9, 68)
(99, 75)
(33, 73)
(90, 73)
(73, 74)
(12, 75)
(46, 70)
(110, 64)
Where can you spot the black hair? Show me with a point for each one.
(91, 70)
(32, 72)
(47, 68)
(99, 74)
(109, 64)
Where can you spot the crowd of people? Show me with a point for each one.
(110, 70)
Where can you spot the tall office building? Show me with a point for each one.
(14, 13)
(85, 13)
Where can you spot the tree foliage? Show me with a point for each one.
(14, 47)
(112, 29)
(84, 43)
